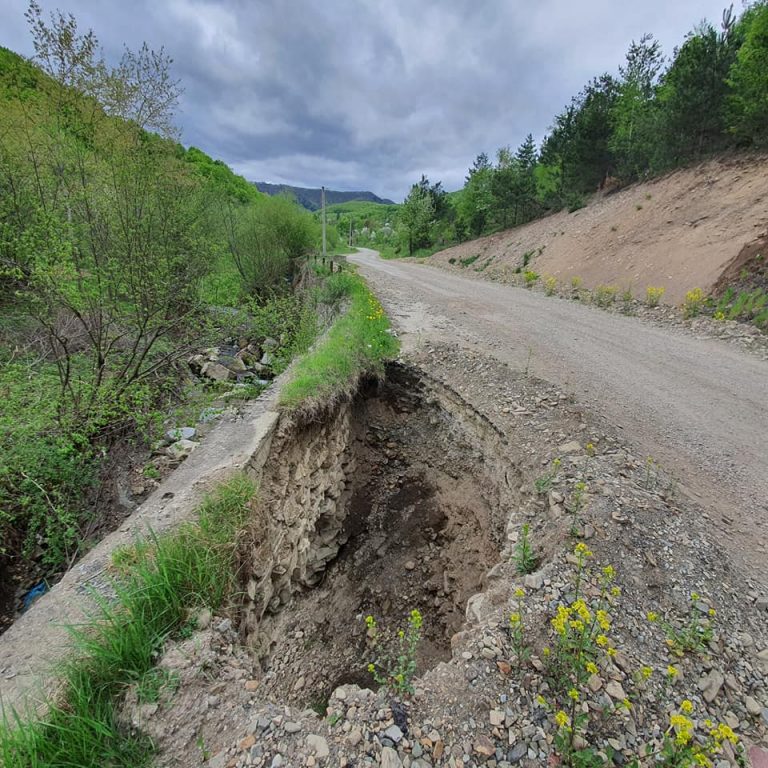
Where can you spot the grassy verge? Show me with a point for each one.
(390, 251)
(163, 585)
(358, 342)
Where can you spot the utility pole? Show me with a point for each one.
(322, 202)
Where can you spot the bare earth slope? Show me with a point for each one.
(679, 231)
(696, 406)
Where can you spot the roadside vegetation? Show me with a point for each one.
(121, 254)
(358, 343)
(161, 586)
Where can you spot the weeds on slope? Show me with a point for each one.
(168, 581)
(357, 343)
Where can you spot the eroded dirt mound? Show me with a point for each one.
(680, 231)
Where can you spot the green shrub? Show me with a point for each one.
(653, 296)
(530, 278)
(605, 295)
(694, 300)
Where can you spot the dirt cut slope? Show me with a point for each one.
(680, 231)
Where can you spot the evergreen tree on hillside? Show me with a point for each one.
(747, 106)
(634, 115)
(693, 93)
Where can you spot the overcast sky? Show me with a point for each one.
(370, 94)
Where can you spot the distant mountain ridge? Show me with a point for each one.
(310, 198)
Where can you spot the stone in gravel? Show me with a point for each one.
(497, 717)
(181, 433)
(217, 372)
(518, 752)
(277, 762)
(247, 742)
(572, 446)
(484, 746)
(181, 449)
(390, 758)
(534, 580)
(615, 691)
(251, 685)
(710, 685)
(762, 603)
(394, 734)
(758, 757)
(291, 727)
(318, 745)
(595, 683)
(410, 565)
(355, 737)
(752, 705)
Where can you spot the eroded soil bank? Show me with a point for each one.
(413, 514)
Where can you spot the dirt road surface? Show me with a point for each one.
(699, 407)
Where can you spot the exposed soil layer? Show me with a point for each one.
(423, 522)
(680, 231)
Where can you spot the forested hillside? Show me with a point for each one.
(657, 112)
(311, 198)
(121, 252)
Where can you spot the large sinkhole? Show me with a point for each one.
(397, 501)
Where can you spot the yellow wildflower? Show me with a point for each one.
(724, 732)
(611, 652)
(712, 612)
(695, 596)
(546, 650)
(608, 572)
(371, 667)
(646, 672)
(591, 667)
(686, 707)
(672, 671)
(573, 694)
(514, 618)
(701, 759)
(562, 719)
(601, 640)
(683, 728)
(577, 624)
(519, 592)
(581, 549)
(615, 591)
(651, 616)
(580, 607)
(603, 620)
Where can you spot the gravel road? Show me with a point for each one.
(699, 407)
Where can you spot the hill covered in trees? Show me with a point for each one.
(657, 112)
(118, 249)
(310, 198)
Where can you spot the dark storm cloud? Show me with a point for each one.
(368, 95)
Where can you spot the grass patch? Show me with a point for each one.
(179, 573)
(469, 260)
(358, 342)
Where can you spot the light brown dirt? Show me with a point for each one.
(680, 231)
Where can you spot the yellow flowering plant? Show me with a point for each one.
(394, 664)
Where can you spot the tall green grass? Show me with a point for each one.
(357, 343)
(167, 582)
